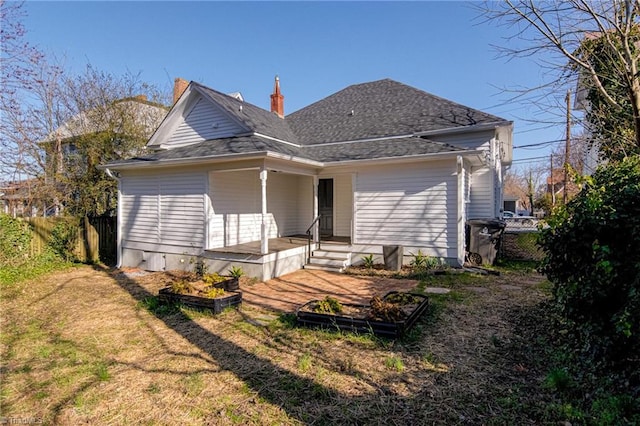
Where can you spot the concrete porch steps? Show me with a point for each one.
(332, 257)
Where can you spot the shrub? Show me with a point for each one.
(424, 262)
(592, 257)
(15, 237)
(64, 237)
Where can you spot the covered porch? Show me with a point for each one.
(268, 208)
(284, 255)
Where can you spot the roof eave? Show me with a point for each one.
(256, 155)
(465, 129)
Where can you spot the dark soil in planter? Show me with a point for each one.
(391, 316)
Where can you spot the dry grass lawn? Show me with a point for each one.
(91, 346)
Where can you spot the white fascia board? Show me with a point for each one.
(295, 159)
(466, 129)
(183, 161)
(208, 160)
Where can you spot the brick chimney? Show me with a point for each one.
(277, 100)
(179, 86)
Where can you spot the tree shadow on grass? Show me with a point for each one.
(271, 382)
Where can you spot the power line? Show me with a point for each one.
(529, 159)
(538, 144)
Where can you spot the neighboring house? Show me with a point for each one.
(129, 122)
(21, 198)
(382, 163)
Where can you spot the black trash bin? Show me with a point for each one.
(483, 240)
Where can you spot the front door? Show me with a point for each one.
(325, 207)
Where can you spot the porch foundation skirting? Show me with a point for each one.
(262, 267)
(291, 256)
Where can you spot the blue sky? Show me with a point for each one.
(317, 48)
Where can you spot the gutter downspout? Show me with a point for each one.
(118, 219)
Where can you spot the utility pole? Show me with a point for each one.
(530, 192)
(567, 147)
(552, 186)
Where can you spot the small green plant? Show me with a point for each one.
(368, 261)
(102, 372)
(236, 272)
(424, 262)
(153, 388)
(328, 305)
(199, 267)
(394, 363)
(153, 305)
(214, 292)
(558, 379)
(304, 362)
(612, 410)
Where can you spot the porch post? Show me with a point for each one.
(316, 226)
(461, 209)
(264, 238)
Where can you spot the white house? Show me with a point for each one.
(380, 163)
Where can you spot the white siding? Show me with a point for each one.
(139, 206)
(305, 202)
(481, 203)
(236, 208)
(167, 209)
(410, 205)
(282, 192)
(343, 205)
(203, 122)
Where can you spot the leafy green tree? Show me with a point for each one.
(592, 249)
(111, 118)
(612, 130)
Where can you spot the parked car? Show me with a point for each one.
(512, 218)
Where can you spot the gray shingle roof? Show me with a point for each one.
(387, 148)
(257, 119)
(378, 109)
(369, 150)
(328, 131)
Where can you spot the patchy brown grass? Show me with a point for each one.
(92, 346)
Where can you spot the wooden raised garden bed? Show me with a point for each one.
(216, 305)
(408, 307)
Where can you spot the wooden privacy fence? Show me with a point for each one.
(95, 238)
